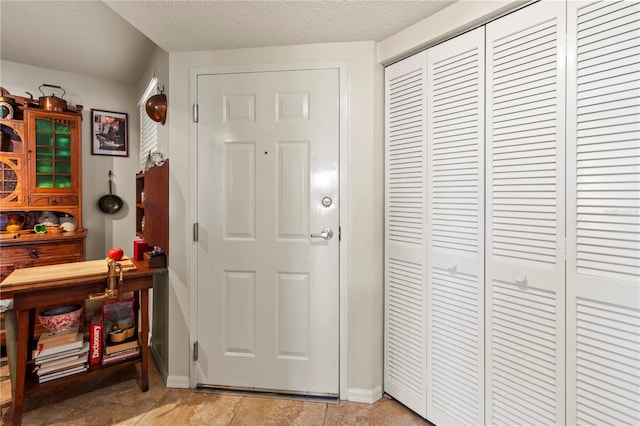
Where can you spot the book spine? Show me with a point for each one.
(44, 350)
(122, 356)
(95, 339)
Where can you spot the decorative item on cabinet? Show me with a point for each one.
(48, 218)
(52, 102)
(8, 107)
(15, 222)
(68, 222)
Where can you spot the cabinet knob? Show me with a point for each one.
(54, 202)
(34, 254)
(452, 265)
(520, 277)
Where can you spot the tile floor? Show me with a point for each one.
(119, 401)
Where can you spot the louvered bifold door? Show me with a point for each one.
(455, 236)
(525, 273)
(603, 213)
(405, 224)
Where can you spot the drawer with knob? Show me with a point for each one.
(52, 200)
(39, 254)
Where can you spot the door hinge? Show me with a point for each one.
(339, 233)
(195, 351)
(195, 113)
(195, 232)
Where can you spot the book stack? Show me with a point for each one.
(119, 332)
(120, 351)
(60, 354)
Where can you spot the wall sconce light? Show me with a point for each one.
(156, 107)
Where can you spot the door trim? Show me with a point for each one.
(342, 68)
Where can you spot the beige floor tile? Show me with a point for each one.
(268, 411)
(383, 412)
(117, 400)
(186, 407)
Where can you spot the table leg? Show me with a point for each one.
(22, 317)
(11, 339)
(144, 313)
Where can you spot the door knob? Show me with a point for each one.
(327, 234)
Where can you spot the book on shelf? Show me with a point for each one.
(64, 361)
(53, 338)
(58, 375)
(46, 349)
(49, 368)
(121, 356)
(112, 348)
(64, 355)
(120, 312)
(95, 340)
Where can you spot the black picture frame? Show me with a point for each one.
(109, 133)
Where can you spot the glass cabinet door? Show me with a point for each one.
(53, 153)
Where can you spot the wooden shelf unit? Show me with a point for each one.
(153, 207)
(40, 170)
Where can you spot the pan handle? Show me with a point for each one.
(110, 183)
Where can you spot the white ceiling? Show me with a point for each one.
(114, 39)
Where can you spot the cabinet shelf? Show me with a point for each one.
(93, 374)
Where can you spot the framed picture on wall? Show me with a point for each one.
(109, 134)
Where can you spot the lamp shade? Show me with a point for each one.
(156, 107)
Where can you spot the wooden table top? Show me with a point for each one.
(29, 279)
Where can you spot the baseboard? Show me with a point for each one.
(368, 396)
(178, 382)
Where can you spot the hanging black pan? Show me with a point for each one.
(110, 203)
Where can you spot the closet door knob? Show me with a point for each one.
(520, 277)
(452, 265)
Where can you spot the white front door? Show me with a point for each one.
(268, 174)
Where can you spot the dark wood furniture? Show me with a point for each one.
(152, 209)
(41, 170)
(20, 321)
(27, 250)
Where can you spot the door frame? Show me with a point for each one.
(192, 208)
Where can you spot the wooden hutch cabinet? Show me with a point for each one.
(40, 170)
(152, 206)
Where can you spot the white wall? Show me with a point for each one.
(363, 231)
(104, 231)
(159, 317)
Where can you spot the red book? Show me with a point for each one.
(95, 340)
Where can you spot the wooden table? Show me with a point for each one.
(35, 287)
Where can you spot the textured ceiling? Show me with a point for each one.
(114, 39)
(207, 25)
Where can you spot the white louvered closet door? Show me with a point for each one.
(455, 235)
(525, 273)
(603, 213)
(405, 224)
